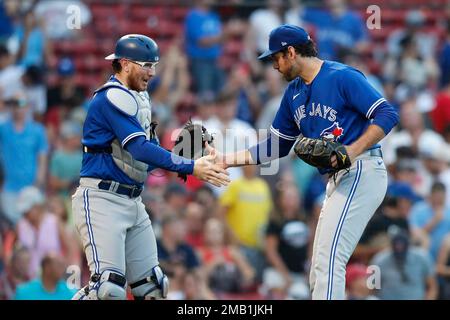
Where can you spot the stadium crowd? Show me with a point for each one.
(252, 239)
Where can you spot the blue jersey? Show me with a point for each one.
(337, 105)
(104, 123)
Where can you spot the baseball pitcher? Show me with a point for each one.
(335, 118)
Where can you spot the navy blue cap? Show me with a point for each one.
(284, 36)
(402, 190)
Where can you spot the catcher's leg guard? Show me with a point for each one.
(109, 285)
(153, 287)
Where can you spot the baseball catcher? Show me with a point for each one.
(319, 153)
(191, 142)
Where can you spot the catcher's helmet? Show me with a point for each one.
(136, 47)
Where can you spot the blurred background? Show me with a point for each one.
(252, 239)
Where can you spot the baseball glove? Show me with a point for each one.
(191, 142)
(318, 153)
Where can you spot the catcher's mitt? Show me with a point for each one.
(318, 153)
(191, 142)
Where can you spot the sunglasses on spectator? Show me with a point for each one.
(145, 65)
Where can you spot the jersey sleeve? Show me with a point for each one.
(284, 125)
(358, 92)
(124, 125)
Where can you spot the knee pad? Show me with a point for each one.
(109, 285)
(154, 287)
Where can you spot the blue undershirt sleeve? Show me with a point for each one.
(145, 151)
(270, 149)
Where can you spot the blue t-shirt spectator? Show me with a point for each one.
(421, 215)
(183, 254)
(34, 290)
(19, 152)
(35, 47)
(200, 24)
(335, 32)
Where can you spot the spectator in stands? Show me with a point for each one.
(413, 133)
(425, 42)
(223, 265)
(176, 257)
(336, 28)
(171, 84)
(195, 217)
(286, 246)
(356, 283)
(440, 115)
(399, 69)
(15, 272)
(34, 49)
(9, 73)
(248, 101)
(66, 92)
(55, 15)
(195, 287)
(443, 269)
(435, 160)
(50, 285)
(433, 217)
(271, 92)
(204, 36)
(24, 148)
(176, 198)
(65, 162)
(375, 237)
(229, 132)
(261, 22)
(38, 230)
(205, 196)
(407, 273)
(33, 86)
(245, 206)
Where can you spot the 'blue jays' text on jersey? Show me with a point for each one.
(337, 105)
(104, 123)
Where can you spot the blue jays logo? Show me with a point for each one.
(333, 132)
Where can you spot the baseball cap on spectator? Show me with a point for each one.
(28, 198)
(284, 36)
(402, 190)
(66, 67)
(354, 272)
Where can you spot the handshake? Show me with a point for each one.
(194, 142)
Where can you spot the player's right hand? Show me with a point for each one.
(205, 169)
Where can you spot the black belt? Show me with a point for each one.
(127, 190)
(87, 149)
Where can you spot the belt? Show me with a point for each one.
(87, 149)
(374, 152)
(127, 190)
